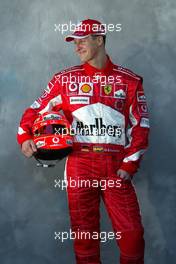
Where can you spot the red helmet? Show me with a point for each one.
(51, 134)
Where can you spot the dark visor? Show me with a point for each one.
(51, 129)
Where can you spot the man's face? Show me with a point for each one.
(87, 48)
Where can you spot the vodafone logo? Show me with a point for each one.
(73, 87)
(55, 140)
(143, 110)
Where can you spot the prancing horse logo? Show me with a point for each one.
(108, 89)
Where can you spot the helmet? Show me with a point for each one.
(51, 136)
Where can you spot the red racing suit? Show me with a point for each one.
(108, 113)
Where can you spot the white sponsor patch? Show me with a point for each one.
(120, 94)
(98, 123)
(52, 116)
(35, 105)
(40, 144)
(144, 122)
(79, 100)
(86, 89)
(141, 97)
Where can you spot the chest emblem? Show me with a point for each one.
(107, 89)
(86, 88)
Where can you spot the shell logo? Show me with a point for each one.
(86, 88)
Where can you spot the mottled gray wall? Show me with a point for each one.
(31, 208)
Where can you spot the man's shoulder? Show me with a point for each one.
(127, 73)
(71, 69)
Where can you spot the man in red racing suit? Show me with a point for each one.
(106, 107)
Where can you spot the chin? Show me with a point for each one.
(83, 60)
(86, 59)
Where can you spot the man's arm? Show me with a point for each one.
(50, 99)
(137, 133)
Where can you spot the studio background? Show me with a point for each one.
(31, 51)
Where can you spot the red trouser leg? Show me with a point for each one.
(121, 204)
(84, 209)
(123, 209)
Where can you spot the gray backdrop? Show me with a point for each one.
(31, 208)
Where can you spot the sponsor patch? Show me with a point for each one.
(119, 105)
(72, 88)
(35, 105)
(141, 96)
(52, 116)
(40, 144)
(79, 100)
(98, 149)
(120, 91)
(143, 110)
(55, 140)
(85, 149)
(120, 94)
(98, 128)
(86, 88)
(144, 122)
(108, 89)
(114, 90)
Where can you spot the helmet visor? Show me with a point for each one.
(52, 129)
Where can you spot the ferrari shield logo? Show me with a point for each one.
(107, 89)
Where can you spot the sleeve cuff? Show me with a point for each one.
(130, 167)
(22, 138)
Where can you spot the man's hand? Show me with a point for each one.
(124, 175)
(28, 148)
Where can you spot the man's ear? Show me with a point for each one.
(100, 40)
